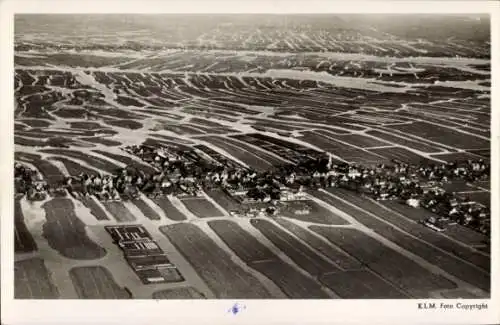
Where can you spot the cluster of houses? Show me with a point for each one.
(423, 186)
(184, 172)
(30, 183)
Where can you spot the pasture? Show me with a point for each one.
(66, 233)
(96, 282)
(32, 280)
(224, 277)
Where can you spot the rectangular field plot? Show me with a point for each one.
(441, 259)
(484, 185)
(146, 210)
(127, 161)
(179, 293)
(458, 156)
(388, 263)
(293, 283)
(302, 255)
(260, 151)
(401, 154)
(247, 155)
(310, 211)
(73, 168)
(201, 207)
(360, 284)
(224, 277)
(284, 149)
(217, 156)
(94, 162)
(23, 240)
(32, 280)
(344, 151)
(95, 209)
(223, 199)
(483, 197)
(415, 144)
(432, 246)
(334, 254)
(457, 232)
(457, 186)
(260, 258)
(119, 211)
(169, 209)
(248, 248)
(51, 174)
(66, 233)
(359, 140)
(443, 135)
(96, 282)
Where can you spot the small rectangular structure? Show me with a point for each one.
(144, 255)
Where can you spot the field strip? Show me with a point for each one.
(146, 209)
(413, 138)
(103, 208)
(442, 234)
(302, 241)
(301, 253)
(55, 262)
(426, 236)
(481, 190)
(215, 204)
(96, 282)
(245, 225)
(387, 261)
(354, 222)
(223, 276)
(257, 149)
(306, 244)
(32, 280)
(421, 261)
(222, 152)
(177, 203)
(329, 249)
(295, 284)
(90, 215)
(270, 285)
(462, 62)
(407, 233)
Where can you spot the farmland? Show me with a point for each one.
(382, 260)
(316, 213)
(169, 209)
(96, 282)
(260, 99)
(293, 283)
(32, 280)
(201, 208)
(225, 278)
(65, 232)
(179, 293)
(445, 261)
(24, 241)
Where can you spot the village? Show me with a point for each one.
(184, 173)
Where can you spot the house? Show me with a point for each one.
(302, 211)
(413, 202)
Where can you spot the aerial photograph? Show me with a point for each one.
(252, 156)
